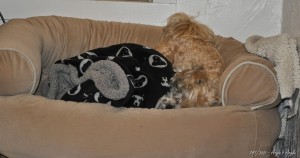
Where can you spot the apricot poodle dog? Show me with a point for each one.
(190, 47)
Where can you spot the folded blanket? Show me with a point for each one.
(122, 75)
(281, 50)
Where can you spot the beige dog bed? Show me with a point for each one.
(32, 126)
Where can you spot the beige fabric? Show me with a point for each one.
(35, 127)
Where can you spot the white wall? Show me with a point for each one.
(236, 18)
(243, 18)
(291, 19)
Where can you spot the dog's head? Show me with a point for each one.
(192, 86)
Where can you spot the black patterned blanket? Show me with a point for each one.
(122, 75)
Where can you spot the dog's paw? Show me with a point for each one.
(215, 102)
(166, 103)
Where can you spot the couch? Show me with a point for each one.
(31, 126)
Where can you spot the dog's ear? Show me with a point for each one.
(177, 25)
(184, 26)
(205, 34)
(178, 18)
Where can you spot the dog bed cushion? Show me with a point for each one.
(30, 46)
(36, 127)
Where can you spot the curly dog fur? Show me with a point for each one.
(190, 47)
